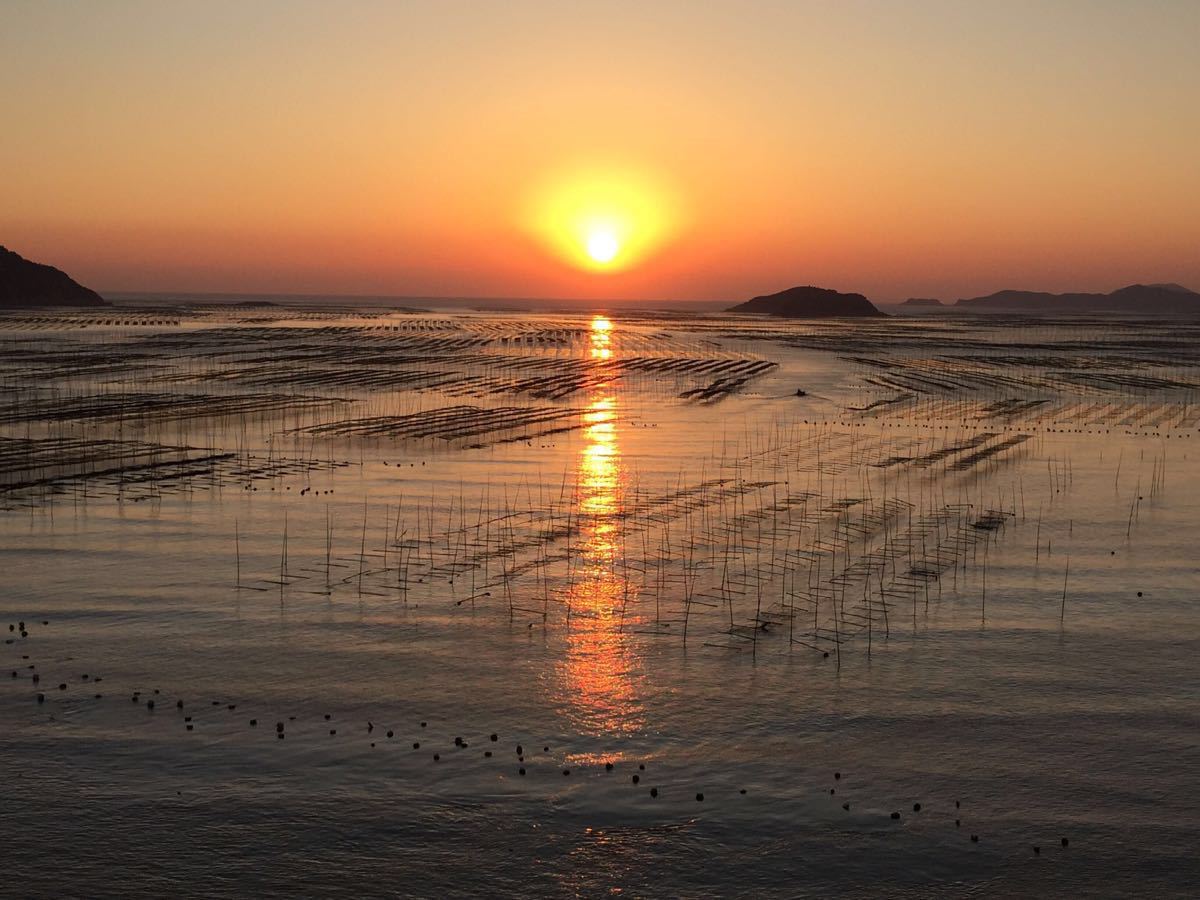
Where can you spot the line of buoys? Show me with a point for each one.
(458, 740)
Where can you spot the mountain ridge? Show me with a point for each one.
(1158, 298)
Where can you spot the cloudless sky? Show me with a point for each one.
(910, 148)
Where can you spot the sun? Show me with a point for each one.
(603, 246)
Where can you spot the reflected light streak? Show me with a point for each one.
(600, 669)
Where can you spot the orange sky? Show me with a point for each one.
(898, 149)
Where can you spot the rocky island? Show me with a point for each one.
(809, 302)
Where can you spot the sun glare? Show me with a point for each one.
(605, 221)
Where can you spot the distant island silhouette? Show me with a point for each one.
(1144, 298)
(922, 301)
(29, 284)
(809, 302)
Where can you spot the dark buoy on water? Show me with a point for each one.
(494, 737)
(608, 767)
(974, 839)
(1065, 842)
(1037, 851)
(636, 778)
(837, 776)
(895, 815)
(416, 745)
(179, 704)
(916, 807)
(653, 792)
(699, 797)
(521, 771)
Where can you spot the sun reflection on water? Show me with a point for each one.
(600, 671)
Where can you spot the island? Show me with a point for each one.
(922, 301)
(809, 302)
(1136, 298)
(29, 284)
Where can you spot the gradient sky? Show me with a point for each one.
(915, 148)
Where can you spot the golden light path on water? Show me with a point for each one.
(600, 671)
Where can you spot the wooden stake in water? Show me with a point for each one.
(1062, 613)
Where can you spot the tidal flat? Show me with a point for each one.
(358, 601)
